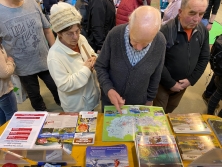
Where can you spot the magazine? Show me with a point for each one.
(216, 125)
(188, 123)
(111, 156)
(193, 146)
(86, 128)
(22, 130)
(57, 132)
(137, 119)
(157, 151)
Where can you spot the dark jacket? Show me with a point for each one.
(218, 82)
(212, 5)
(101, 21)
(125, 8)
(136, 84)
(48, 4)
(184, 59)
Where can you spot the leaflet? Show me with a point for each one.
(22, 130)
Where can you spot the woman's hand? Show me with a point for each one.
(88, 63)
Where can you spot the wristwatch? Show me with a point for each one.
(210, 22)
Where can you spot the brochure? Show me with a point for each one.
(216, 125)
(188, 123)
(157, 151)
(191, 147)
(58, 132)
(135, 119)
(111, 156)
(86, 128)
(22, 130)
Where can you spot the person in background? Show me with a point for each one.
(101, 19)
(187, 53)
(47, 4)
(82, 7)
(71, 60)
(171, 11)
(116, 3)
(163, 6)
(24, 30)
(125, 8)
(131, 60)
(208, 20)
(215, 98)
(210, 14)
(8, 104)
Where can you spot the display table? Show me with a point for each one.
(79, 152)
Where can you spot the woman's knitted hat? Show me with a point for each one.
(63, 15)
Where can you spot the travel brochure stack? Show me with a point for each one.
(196, 139)
(147, 126)
(49, 131)
(157, 150)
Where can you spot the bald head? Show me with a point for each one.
(144, 23)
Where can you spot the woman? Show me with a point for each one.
(71, 60)
(8, 104)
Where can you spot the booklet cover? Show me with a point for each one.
(57, 132)
(188, 123)
(216, 125)
(157, 151)
(86, 128)
(112, 156)
(137, 119)
(193, 146)
(22, 130)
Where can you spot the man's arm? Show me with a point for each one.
(210, 23)
(202, 61)
(49, 36)
(166, 80)
(216, 5)
(102, 67)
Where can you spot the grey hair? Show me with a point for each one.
(184, 3)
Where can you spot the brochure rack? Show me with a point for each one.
(9, 157)
(47, 156)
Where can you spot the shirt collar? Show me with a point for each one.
(65, 48)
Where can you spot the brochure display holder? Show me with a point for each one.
(10, 157)
(212, 158)
(46, 156)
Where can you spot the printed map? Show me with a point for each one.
(147, 120)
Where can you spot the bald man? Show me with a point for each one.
(187, 53)
(131, 60)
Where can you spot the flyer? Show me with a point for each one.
(22, 130)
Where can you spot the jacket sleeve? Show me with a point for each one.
(65, 81)
(102, 66)
(166, 80)
(97, 22)
(202, 61)
(6, 67)
(155, 78)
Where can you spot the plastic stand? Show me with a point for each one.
(48, 156)
(10, 157)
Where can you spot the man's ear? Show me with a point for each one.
(179, 11)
